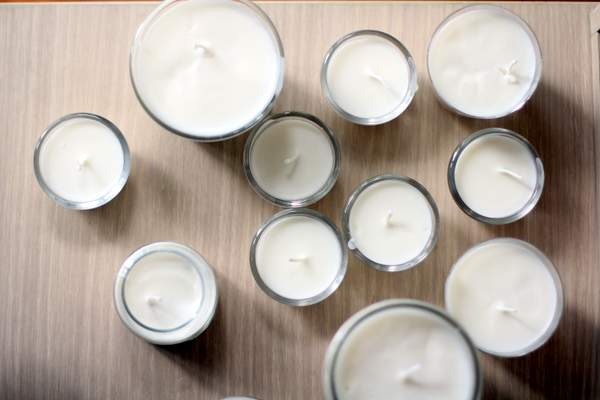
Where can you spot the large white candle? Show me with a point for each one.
(497, 174)
(391, 222)
(369, 77)
(297, 257)
(507, 295)
(82, 161)
(400, 349)
(484, 61)
(207, 69)
(292, 159)
(166, 293)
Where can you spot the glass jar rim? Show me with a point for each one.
(535, 43)
(112, 192)
(540, 341)
(535, 195)
(333, 286)
(346, 329)
(408, 96)
(435, 217)
(204, 137)
(301, 202)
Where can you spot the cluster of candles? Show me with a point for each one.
(212, 69)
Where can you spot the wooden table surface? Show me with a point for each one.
(60, 337)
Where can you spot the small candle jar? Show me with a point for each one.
(401, 349)
(484, 62)
(82, 161)
(166, 293)
(369, 77)
(391, 222)
(507, 295)
(207, 70)
(292, 159)
(297, 257)
(496, 176)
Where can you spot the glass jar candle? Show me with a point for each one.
(207, 70)
(507, 295)
(401, 349)
(391, 222)
(82, 161)
(484, 62)
(496, 176)
(297, 257)
(369, 77)
(166, 293)
(292, 159)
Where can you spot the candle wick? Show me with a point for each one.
(291, 162)
(508, 73)
(500, 306)
(299, 259)
(405, 375)
(388, 219)
(82, 162)
(513, 175)
(381, 81)
(153, 300)
(203, 50)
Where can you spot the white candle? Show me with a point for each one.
(400, 349)
(497, 174)
(297, 257)
(292, 159)
(166, 293)
(484, 61)
(207, 69)
(507, 295)
(392, 222)
(82, 161)
(369, 77)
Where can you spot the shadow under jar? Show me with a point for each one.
(297, 257)
(507, 295)
(369, 77)
(207, 70)
(166, 293)
(401, 349)
(292, 159)
(391, 222)
(484, 62)
(82, 161)
(496, 176)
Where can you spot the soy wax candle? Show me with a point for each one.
(207, 70)
(484, 62)
(391, 222)
(507, 295)
(166, 293)
(292, 159)
(297, 257)
(496, 176)
(369, 77)
(401, 349)
(82, 161)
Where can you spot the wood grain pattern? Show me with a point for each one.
(60, 337)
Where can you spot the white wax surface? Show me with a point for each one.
(483, 181)
(376, 360)
(163, 291)
(292, 159)
(353, 71)
(314, 247)
(409, 228)
(81, 160)
(469, 58)
(503, 295)
(207, 67)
